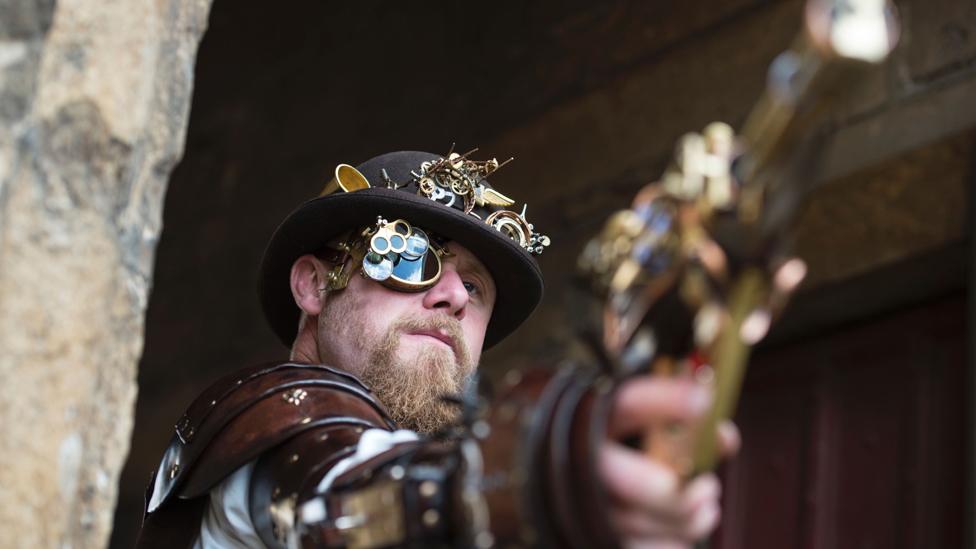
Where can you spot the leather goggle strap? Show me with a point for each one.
(331, 255)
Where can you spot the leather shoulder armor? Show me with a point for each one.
(247, 413)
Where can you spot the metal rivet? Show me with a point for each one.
(213, 402)
(431, 517)
(484, 540)
(173, 470)
(513, 377)
(323, 437)
(359, 430)
(481, 429)
(239, 381)
(294, 396)
(428, 488)
(306, 420)
(293, 458)
(397, 472)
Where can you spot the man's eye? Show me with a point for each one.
(472, 288)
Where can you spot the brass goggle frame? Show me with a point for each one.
(396, 254)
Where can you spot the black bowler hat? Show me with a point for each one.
(409, 185)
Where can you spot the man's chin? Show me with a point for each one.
(413, 381)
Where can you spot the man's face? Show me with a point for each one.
(412, 348)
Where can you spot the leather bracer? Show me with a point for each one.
(540, 450)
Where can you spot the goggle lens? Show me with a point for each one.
(417, 245)
(401, 257)
(378, 267)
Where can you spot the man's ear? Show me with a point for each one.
(308, 279)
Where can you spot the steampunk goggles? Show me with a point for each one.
(396, 254)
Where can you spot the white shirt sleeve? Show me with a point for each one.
(227, 521)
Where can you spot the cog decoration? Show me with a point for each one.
(516, 227)
(446, 179)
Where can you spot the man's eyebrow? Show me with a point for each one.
(473, 265)
(483, 273)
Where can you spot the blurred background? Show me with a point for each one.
(856, 414)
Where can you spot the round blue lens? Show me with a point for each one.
(377, 267)
(417, 245)
(397, 243)
(380, 244)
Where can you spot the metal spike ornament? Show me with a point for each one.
(516, 227)
(462, 177)
(458, 176)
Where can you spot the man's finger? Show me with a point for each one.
(637, 525)
(637, 482)
(729, 439)
(648, 532)
(655, 544)
(705, 521)
(645, 400)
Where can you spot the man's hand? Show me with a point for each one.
(652, 508)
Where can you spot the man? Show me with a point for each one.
(395, 279)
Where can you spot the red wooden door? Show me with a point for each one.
(855, 438)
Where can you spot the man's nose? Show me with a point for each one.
(448, 295)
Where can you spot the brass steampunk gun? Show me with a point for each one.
(694, 273)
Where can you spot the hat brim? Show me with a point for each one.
(517, 277)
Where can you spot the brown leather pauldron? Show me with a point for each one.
(241, 417)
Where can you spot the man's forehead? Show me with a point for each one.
(467, 260)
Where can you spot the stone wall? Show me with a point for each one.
(94, 100)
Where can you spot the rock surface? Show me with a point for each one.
(94, 102)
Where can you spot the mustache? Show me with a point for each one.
(448, 325)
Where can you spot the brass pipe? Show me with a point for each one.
(346, 179)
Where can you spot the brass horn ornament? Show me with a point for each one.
(346, 179)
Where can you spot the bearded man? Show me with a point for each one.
(387, 288)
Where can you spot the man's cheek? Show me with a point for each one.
(476, 340)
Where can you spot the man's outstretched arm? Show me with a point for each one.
(541, 467)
